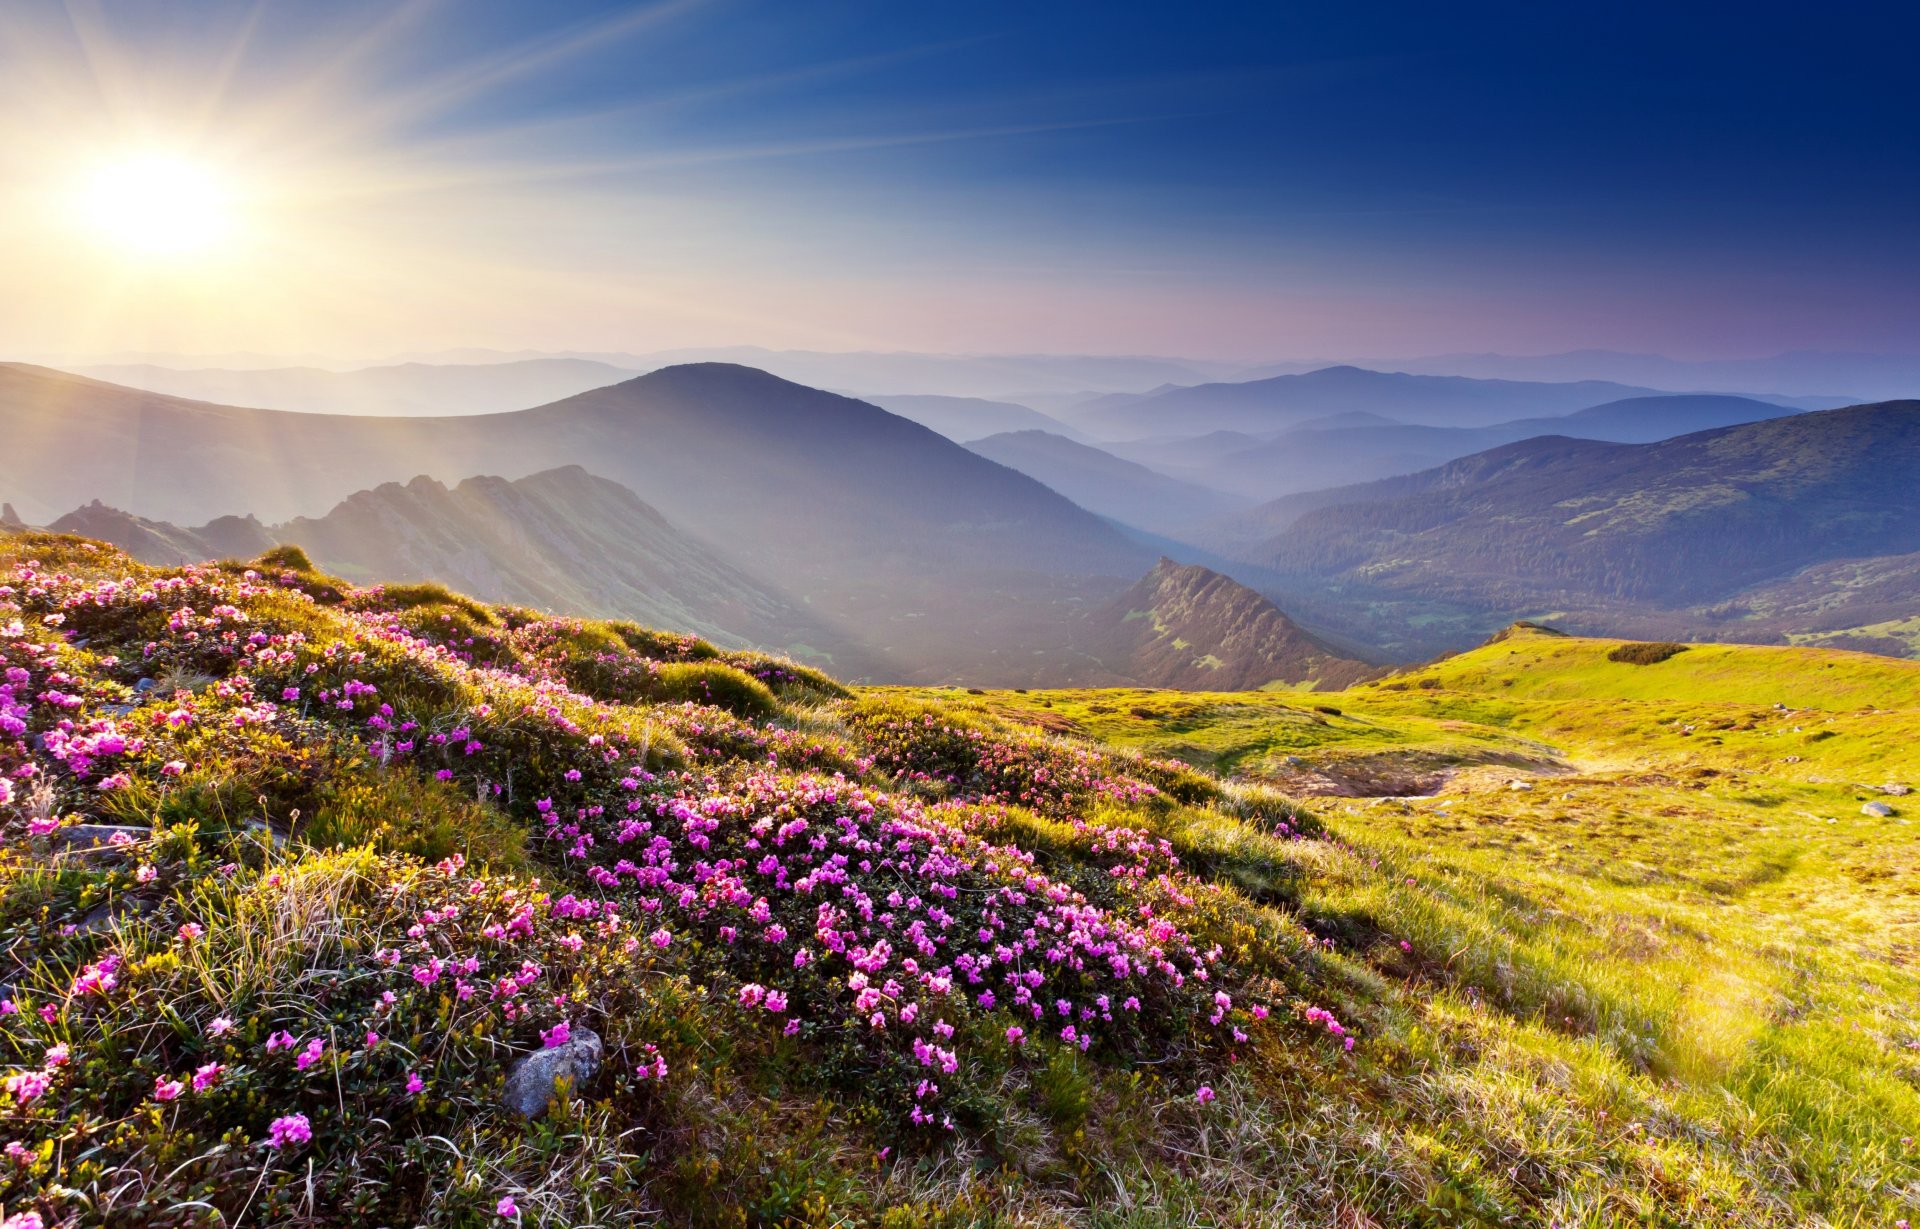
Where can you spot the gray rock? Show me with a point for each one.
(1519, 785)
(1879, 810)
(536, 1079)
(1898, 791)
(102, 918)
(76, 840)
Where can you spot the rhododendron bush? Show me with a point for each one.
(298, 871)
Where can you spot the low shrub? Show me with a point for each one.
(1645, 653)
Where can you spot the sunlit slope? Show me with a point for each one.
(1535, 664)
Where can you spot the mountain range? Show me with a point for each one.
(561, 540)
(1684, 530)
(1285, 401)
(878, 525)
(1314, 457)
(838, 529)
(567, 541)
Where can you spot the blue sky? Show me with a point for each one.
(1239, 180)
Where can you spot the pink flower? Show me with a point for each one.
(17, 1153)
(57, 1055)
(507, 1209)
(310, 1055)
(23, 1220)
(207, 1076)
(173, 768)
(28, 1085)
(219, 1026)
(191, 931)
(165, 1089)
(291, 1129)
(414, 1082)
(1203, 1094)
(661, 938)
(556, 1036)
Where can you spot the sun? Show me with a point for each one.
(157, 206)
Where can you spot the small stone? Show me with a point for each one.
(110, 840)
(536, 1079)
(1879, 810)
(1519, 785)
(1898, 791)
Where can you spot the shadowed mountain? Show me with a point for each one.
(1106, 484)
(404, 390)
(1188, 627)
(1285, 401)
(562, 541)
(165, 545)
(969, 418)
(881, 527)
(1307, 459)
(1610, 531)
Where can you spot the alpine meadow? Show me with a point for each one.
(959, 616)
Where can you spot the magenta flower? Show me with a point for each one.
(414, 1082)
(165, 1089)
(557, 1035)
(290, 1129)
(206, 1077)
(1203, 1094)
(507, 1209)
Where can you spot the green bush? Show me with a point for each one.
(1646, 653)
(707, 682)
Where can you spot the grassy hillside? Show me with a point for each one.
(300, 879)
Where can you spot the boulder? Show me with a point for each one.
(536, 1079)
(1898, 791)
(1879, 810)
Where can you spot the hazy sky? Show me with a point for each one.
(1241, 181)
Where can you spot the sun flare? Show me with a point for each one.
(157, 206)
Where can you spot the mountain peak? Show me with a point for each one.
(1187, 626)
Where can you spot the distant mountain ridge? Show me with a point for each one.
(1282, 401)
(1101, 482)
(1306, 458)
(1618, 531)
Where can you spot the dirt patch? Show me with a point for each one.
(1396, 774)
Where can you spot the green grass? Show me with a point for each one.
(1671, 982)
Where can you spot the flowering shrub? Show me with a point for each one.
(315, 942)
